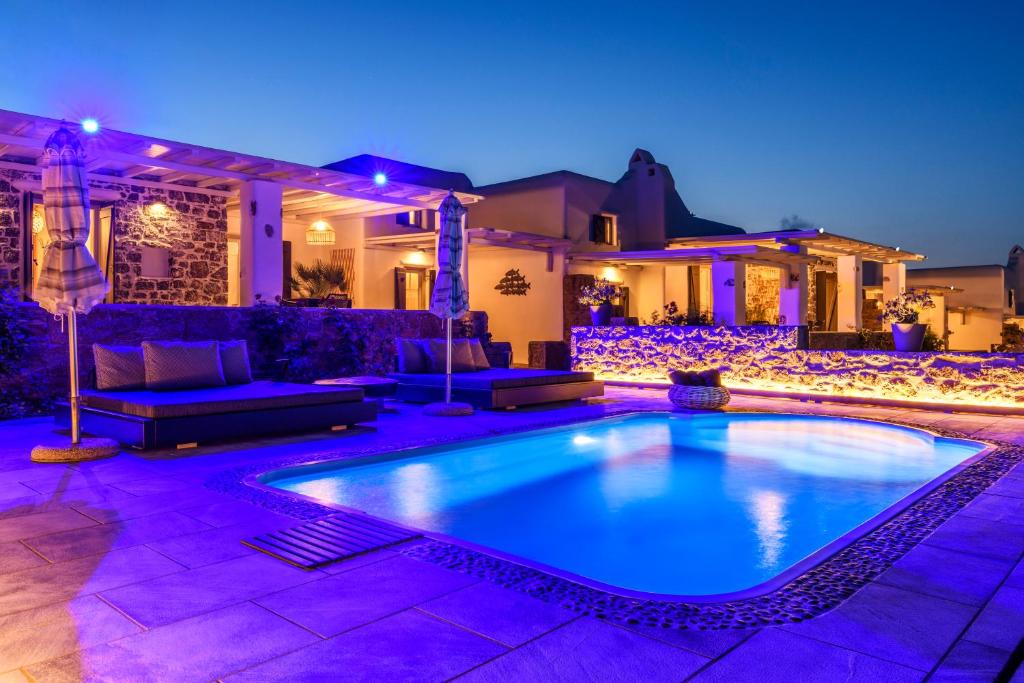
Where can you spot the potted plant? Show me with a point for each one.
(316, 282)
(598, 297)
(903, 312)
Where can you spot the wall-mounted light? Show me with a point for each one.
(90, 125)
(380, 179)
(158, 210)
(320, 233)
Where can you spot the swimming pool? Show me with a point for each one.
(700, 505)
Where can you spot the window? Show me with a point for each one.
(603, 229)
(415, 219)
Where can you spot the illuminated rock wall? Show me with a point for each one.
(770, 359)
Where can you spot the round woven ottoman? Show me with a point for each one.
(698, 398)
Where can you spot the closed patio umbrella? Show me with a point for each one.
(69, 282)
(449, 299)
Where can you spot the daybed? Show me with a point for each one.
(421, 378)
(185, 403)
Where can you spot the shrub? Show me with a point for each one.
(906, 307)
(600, 293)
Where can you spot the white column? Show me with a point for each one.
(260, 262)
(729, 292)
(894, 280)
(793, 294)
(850, 293)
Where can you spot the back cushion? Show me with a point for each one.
(234, 360)
(412, 357)
(480, 361)
(182, 365)
(462, 356)
(119, 368)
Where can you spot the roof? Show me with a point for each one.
(541, 180)
(369, 165)
(816, 241)
(114, 155)
(939, 269)
(747, 253)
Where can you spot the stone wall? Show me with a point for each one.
(193, 230)
(10, 228)
(766, 359)
(318, 342)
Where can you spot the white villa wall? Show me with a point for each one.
(982, 303)
(537, 210)
(517, 319)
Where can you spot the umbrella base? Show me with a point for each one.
(447, 409)
(88, 449)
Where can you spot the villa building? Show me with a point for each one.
(177, 223)
(981, 299)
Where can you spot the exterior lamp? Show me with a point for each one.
(90, 126)
(320, 233)
(380, 179)
(157, 210)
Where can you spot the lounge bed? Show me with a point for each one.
(486, 387)
(143, 417)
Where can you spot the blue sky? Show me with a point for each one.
(893, 122)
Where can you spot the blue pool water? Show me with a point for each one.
(683, 505)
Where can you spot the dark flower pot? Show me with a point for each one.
(908, 336)
(601, 316)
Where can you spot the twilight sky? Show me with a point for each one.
(901, 122)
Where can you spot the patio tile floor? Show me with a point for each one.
(131, 569)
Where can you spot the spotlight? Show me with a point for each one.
(90, 125)
(380, 179)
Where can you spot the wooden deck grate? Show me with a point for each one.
(329, 540)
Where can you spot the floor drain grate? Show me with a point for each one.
(329, 539)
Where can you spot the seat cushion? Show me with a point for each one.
(437, 352)
(236, 398)
(182, 365)
(480, 361)
(234, 360)
(119, 368)
(498, 378)
(411, 356)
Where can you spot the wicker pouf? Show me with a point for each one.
(698, 398)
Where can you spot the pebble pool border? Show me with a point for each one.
(818, 590)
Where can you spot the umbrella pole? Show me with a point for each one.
(76, 430)
(448, 369)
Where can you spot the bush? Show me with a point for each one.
(671, 316)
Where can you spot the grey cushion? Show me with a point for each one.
(260, 395)
(480, 361)
(234, 361)
(498, 378)
(437, 352)
(182, 365)
(119, 367)
(411, 356)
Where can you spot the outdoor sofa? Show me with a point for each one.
(421, 377)
(180, 394)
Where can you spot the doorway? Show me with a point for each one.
(413, 287)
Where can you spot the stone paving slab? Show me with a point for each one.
(52, 631)
(983, 537)
(201, 649)
(777, 656)
(15, 556)
(69, 545)
(509, 617)
(900, 626)
(31, 525)
(192, 592)
(961, 577)
(409, 646)
(52, 583)
(1001, 623)
(336, 604)
(580, 651)
(971, 661)
(996, 508)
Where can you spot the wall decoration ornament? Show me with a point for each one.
(513, 284)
